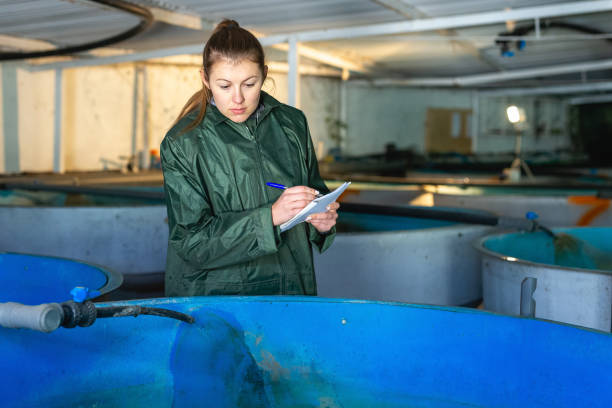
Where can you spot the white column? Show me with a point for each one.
(135, 118)
(145, 112)
(294, 73)
(58, 151)
(343, 114)
(10, 116)
(475, 120)
(2, 120)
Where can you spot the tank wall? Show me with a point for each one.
(552, 211)
(433, 266)
(529, 246)
(575, 297)
(134, 238)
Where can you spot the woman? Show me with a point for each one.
(231, 139)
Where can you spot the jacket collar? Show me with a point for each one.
(266, 100)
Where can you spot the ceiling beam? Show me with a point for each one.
(442, 23)
(188, 50)
(283, 68)
(551, 90)
(473, 80)
(117, 59)
(191, 21)
(582, 100)
(24, 44)
(325, 58)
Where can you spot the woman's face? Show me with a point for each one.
(236, 86)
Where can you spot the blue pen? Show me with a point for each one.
(276, 185)
(282, 187)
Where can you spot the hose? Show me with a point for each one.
(120, 311)
(49, 316)
(145, 23)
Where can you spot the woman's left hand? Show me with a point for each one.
(323, 222)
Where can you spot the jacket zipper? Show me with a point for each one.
(260, 165)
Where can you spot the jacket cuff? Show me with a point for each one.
(321, 241)
(268, 235)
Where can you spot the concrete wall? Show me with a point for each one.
(380, 115)
(36, 112)
(111, 112)
(377, 116)
(169, 89)
(98, 113)
(545, 129)
(320, 99)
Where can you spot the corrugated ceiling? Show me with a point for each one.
(454, 52)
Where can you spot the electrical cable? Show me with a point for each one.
(145, 23)
(120, 311)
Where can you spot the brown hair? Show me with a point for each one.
(228, 41)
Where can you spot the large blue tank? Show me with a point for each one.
(307, 352)
(32, 280)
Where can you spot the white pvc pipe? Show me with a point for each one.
(45, 318)
(495, 76)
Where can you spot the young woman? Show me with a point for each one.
(229, 140)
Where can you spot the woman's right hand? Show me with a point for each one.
(291, 202)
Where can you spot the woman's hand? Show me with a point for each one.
(291, 202)
(323, 222)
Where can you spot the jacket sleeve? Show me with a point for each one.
(201, 237)
(321, 241)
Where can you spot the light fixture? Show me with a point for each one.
(517, 117)
(515, 114)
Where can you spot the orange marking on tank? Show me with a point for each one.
(598, 207)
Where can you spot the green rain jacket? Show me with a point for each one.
(222, 240)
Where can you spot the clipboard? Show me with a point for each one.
(318, 205)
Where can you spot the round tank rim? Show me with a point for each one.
(70, 207)
(395, 232)
(210, 301)
(478, 244)
(114, 279)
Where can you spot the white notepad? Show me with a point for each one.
(318, 205)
